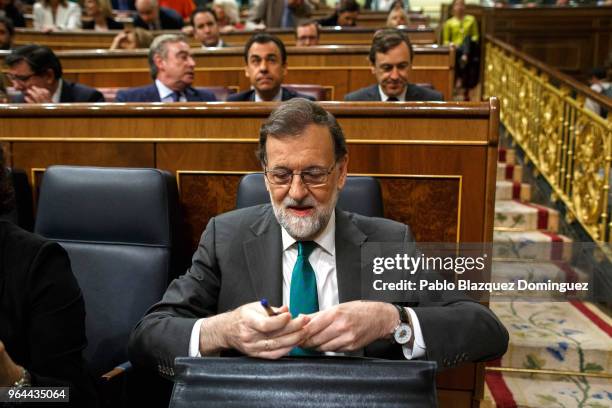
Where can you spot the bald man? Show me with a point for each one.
(153, 17)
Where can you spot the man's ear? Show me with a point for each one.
(158, 61)
(50, 76)
(246, 71)
(373, 69)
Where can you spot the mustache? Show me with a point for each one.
(307, 201)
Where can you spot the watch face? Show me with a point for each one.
(402, 334)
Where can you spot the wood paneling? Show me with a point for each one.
(435, 161)
(570, 39)
(80, 40)
(343, 69)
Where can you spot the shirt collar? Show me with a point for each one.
(326, 239)
(277, 98)
(384, 97)
(55, 98)
(163, 90)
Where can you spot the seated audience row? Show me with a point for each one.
(36, 72)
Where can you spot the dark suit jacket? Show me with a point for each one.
(249, 96)
(149, 93)
(111, 23)
(239, 260)
(414, 93)
(73, 93)
(42, 313)
(270, 12)
(168, 19)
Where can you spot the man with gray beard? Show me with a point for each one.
(302, 254)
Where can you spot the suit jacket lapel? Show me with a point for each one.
(153, 94)
(349, 239)
(192, 95)
(263, 255)
(375, 95)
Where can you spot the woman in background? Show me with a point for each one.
(42, 313)
(101, 16)
(397, 17)
(132, 39)
(51, 15)
(461, 30)
(228, 16)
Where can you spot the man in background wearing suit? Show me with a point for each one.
(172, 68)
(307, 34)
(281, 13)
(391, 58)
(205, 28)
(303, 253)
(36, 72)
(266, 67)
(153, 17)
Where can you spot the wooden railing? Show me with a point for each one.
(571, 147)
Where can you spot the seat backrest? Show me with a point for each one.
(220, 92)
(22, 214)
(308, 382)
(117, 226)
(361, 195)
(316, 91)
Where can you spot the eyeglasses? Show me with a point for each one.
(312, 177)
(20, 78)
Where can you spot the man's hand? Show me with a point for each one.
(350, 326)
(9, 371)
(251, 331)
(35, 94)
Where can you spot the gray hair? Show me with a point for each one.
(159, 47)
(291, 118)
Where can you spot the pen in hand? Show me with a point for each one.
(266, 305)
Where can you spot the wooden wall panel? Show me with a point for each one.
(570, 39)
(80, 40)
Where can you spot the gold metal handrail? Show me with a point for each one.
(570, 146)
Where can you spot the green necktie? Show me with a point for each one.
(303, 297)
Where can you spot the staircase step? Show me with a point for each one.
(539, 245)
(512, 190)
(513, 215)
(512, 172)
(565, 336)
(506, 155)
(513, 390)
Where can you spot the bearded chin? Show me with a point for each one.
(302, 228)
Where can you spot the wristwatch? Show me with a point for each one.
(25, 380)
(403, 332)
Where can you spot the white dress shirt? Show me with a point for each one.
(66, 17)
(323, 262)
(277, 98)
(55, 98)
(384, 97)
(165, 93)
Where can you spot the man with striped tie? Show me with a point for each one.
(172, 68)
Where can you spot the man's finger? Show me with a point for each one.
(294, 325)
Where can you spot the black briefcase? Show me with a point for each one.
(302, 382)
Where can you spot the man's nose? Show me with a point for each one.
(263, 66)
(297, 190)
(394, 73)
